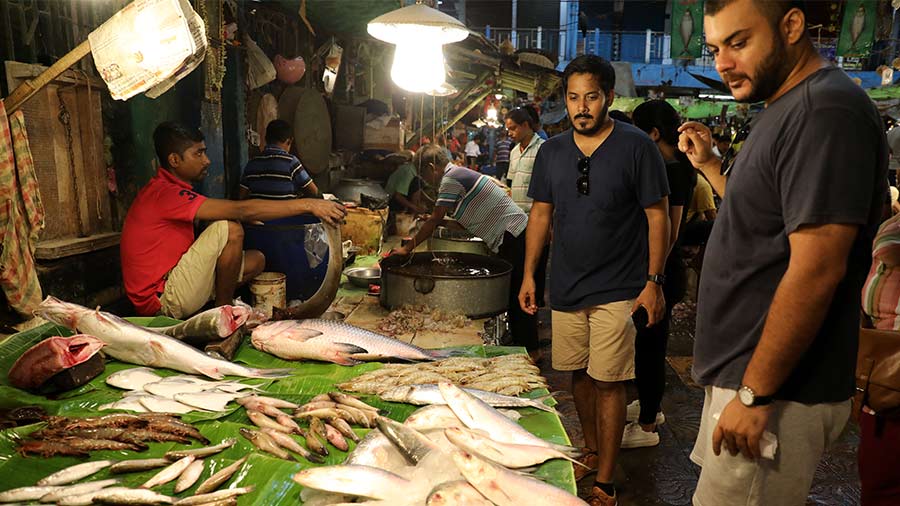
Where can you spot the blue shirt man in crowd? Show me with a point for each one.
(277, 174)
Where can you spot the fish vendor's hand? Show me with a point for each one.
(696, 142)
(527, 299)
(331, 213)
(653, 300)
(400, 250)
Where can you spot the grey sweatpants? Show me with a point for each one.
(804, 431)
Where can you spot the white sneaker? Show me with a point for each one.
(635, 437)
(633, 412)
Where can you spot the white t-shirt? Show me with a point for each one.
(473, 149)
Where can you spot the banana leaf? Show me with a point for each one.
(270, 475)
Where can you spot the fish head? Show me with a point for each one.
(60, 312)
(80, 348)
(231, 319)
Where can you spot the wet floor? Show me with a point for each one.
(664, 475)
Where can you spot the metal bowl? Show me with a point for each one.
(363, 276)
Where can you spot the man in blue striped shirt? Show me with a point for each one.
(482, 206)
(276, 174)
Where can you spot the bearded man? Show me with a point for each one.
(603, 185)
(778, 309)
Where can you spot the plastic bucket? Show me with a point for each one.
(268, 290)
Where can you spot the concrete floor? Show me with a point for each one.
(664, 475)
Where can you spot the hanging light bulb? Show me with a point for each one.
(418, 67)
(419, 33)
(492, 113)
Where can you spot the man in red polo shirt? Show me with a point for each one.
(167, 271)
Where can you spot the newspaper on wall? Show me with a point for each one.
(148, 44)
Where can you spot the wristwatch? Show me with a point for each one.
(749, 398)
(659, 279)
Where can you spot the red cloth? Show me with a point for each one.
(879, 460)
(158, 230)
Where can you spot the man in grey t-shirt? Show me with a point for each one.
(778, 310)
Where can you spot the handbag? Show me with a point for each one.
(878, 371)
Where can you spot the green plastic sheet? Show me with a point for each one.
(271, 476)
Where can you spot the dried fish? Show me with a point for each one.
(27, 493)
(278, 403)
(170, 473)
(214, 496)
(189, 476)
(289, 443)
(80, 489)
(74, 473)
(335, 437)
(262, 421)
(133, 466)
(265, 443)
(202, 452)
(220, 477)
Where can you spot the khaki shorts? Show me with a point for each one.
(192, 282)
(804, 431)
(599, 339)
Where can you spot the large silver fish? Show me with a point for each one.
(421, 395)
(333, 341)
(138, 345)
(507, 488)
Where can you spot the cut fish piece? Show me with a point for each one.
(133, 379)
(163, 405)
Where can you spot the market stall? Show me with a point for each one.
(267, 477)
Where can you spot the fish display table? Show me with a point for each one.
(270, 476)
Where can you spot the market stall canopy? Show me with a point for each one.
(344, 16)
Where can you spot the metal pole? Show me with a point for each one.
(540, 37)
(563, 21)
(487, 32)
(514, 34)
(647, 44)
(596, 41)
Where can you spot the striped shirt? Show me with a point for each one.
(881, 293)
(480, 205)
(502, 149)
(275, 174)
(521, 164)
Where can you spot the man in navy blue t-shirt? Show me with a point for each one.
(276, 173)
(604, 186)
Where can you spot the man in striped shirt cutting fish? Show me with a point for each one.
(483, 208)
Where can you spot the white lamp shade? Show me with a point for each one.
(418, 67)
(416, 23)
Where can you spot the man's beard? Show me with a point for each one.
(598, 123)
(770, 74)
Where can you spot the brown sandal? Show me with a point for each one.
(589, 458)
(599, 498)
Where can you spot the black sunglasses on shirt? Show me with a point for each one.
(583, 183)
(737, 142)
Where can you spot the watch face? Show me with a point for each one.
(745, 396)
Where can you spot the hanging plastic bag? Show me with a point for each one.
(260, 71)
(315, 242)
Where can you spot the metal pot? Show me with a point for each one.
(445, 239)
(422, 280)
(351, 189)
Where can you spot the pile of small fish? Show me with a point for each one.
(150, 392)
(462, 452)
(506, 374)
(329, 417)
(80, 436)
(411, 318)
(334, 341)
(184, 465)
(134, 344)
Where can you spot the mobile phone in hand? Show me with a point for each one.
(640, 317)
